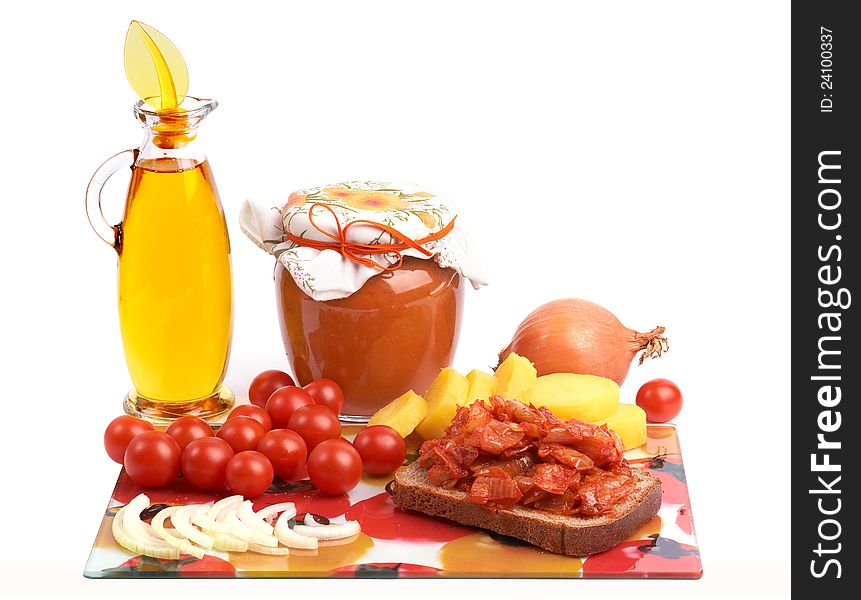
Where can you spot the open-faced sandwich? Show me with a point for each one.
(520, 471)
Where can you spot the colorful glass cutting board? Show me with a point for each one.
(394, 543)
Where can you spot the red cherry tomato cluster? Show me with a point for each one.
(242, 433)
(382, 449)
(120, 432)
(285, 429)
(335, 466)
(265, 383)
(204, 462)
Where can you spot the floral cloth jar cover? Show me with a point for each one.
(357, 209)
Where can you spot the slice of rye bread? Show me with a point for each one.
(574, 536)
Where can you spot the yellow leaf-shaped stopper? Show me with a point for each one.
(154, 67)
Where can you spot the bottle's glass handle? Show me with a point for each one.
(111, 234)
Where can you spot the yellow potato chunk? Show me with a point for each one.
(446, 393)
(482, 385)
(516, 376)
(402, 414)
(572, 396)
(629, 423)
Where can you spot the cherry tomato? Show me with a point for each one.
(255, 412)
(204, 462)
(315, 424)
(286, 450)
(283, 402)
(661, 400)
(265, 383)
(326, 393)
(120, 432)
(334, 466)
(242, 433)
(249, 473)
(152, 459)
(382, 449)
(187, 429)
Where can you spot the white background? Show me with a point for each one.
(632, 153)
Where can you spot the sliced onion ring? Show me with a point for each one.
(228, 543)
(217, 508)
(137, 545)
(268, 512)
(243, 532)
(221, 538)
(310, 521)
(248, 517)
(133, 526)
(290, 538)
(183, 545)
(277, 551)
(226, 511)
(208, 525)
(334, 531)
(181, 522)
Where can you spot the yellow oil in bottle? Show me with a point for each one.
(175, 288)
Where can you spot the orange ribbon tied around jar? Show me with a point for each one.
(358, 252)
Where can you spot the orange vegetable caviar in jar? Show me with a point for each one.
(392, 335)
(370, 286)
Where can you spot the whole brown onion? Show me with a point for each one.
(578, 336)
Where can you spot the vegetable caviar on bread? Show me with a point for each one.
(575, 536)
(520, 471)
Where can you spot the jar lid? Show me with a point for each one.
(333, 238)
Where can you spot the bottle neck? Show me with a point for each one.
(171, 146)
(170, 135)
